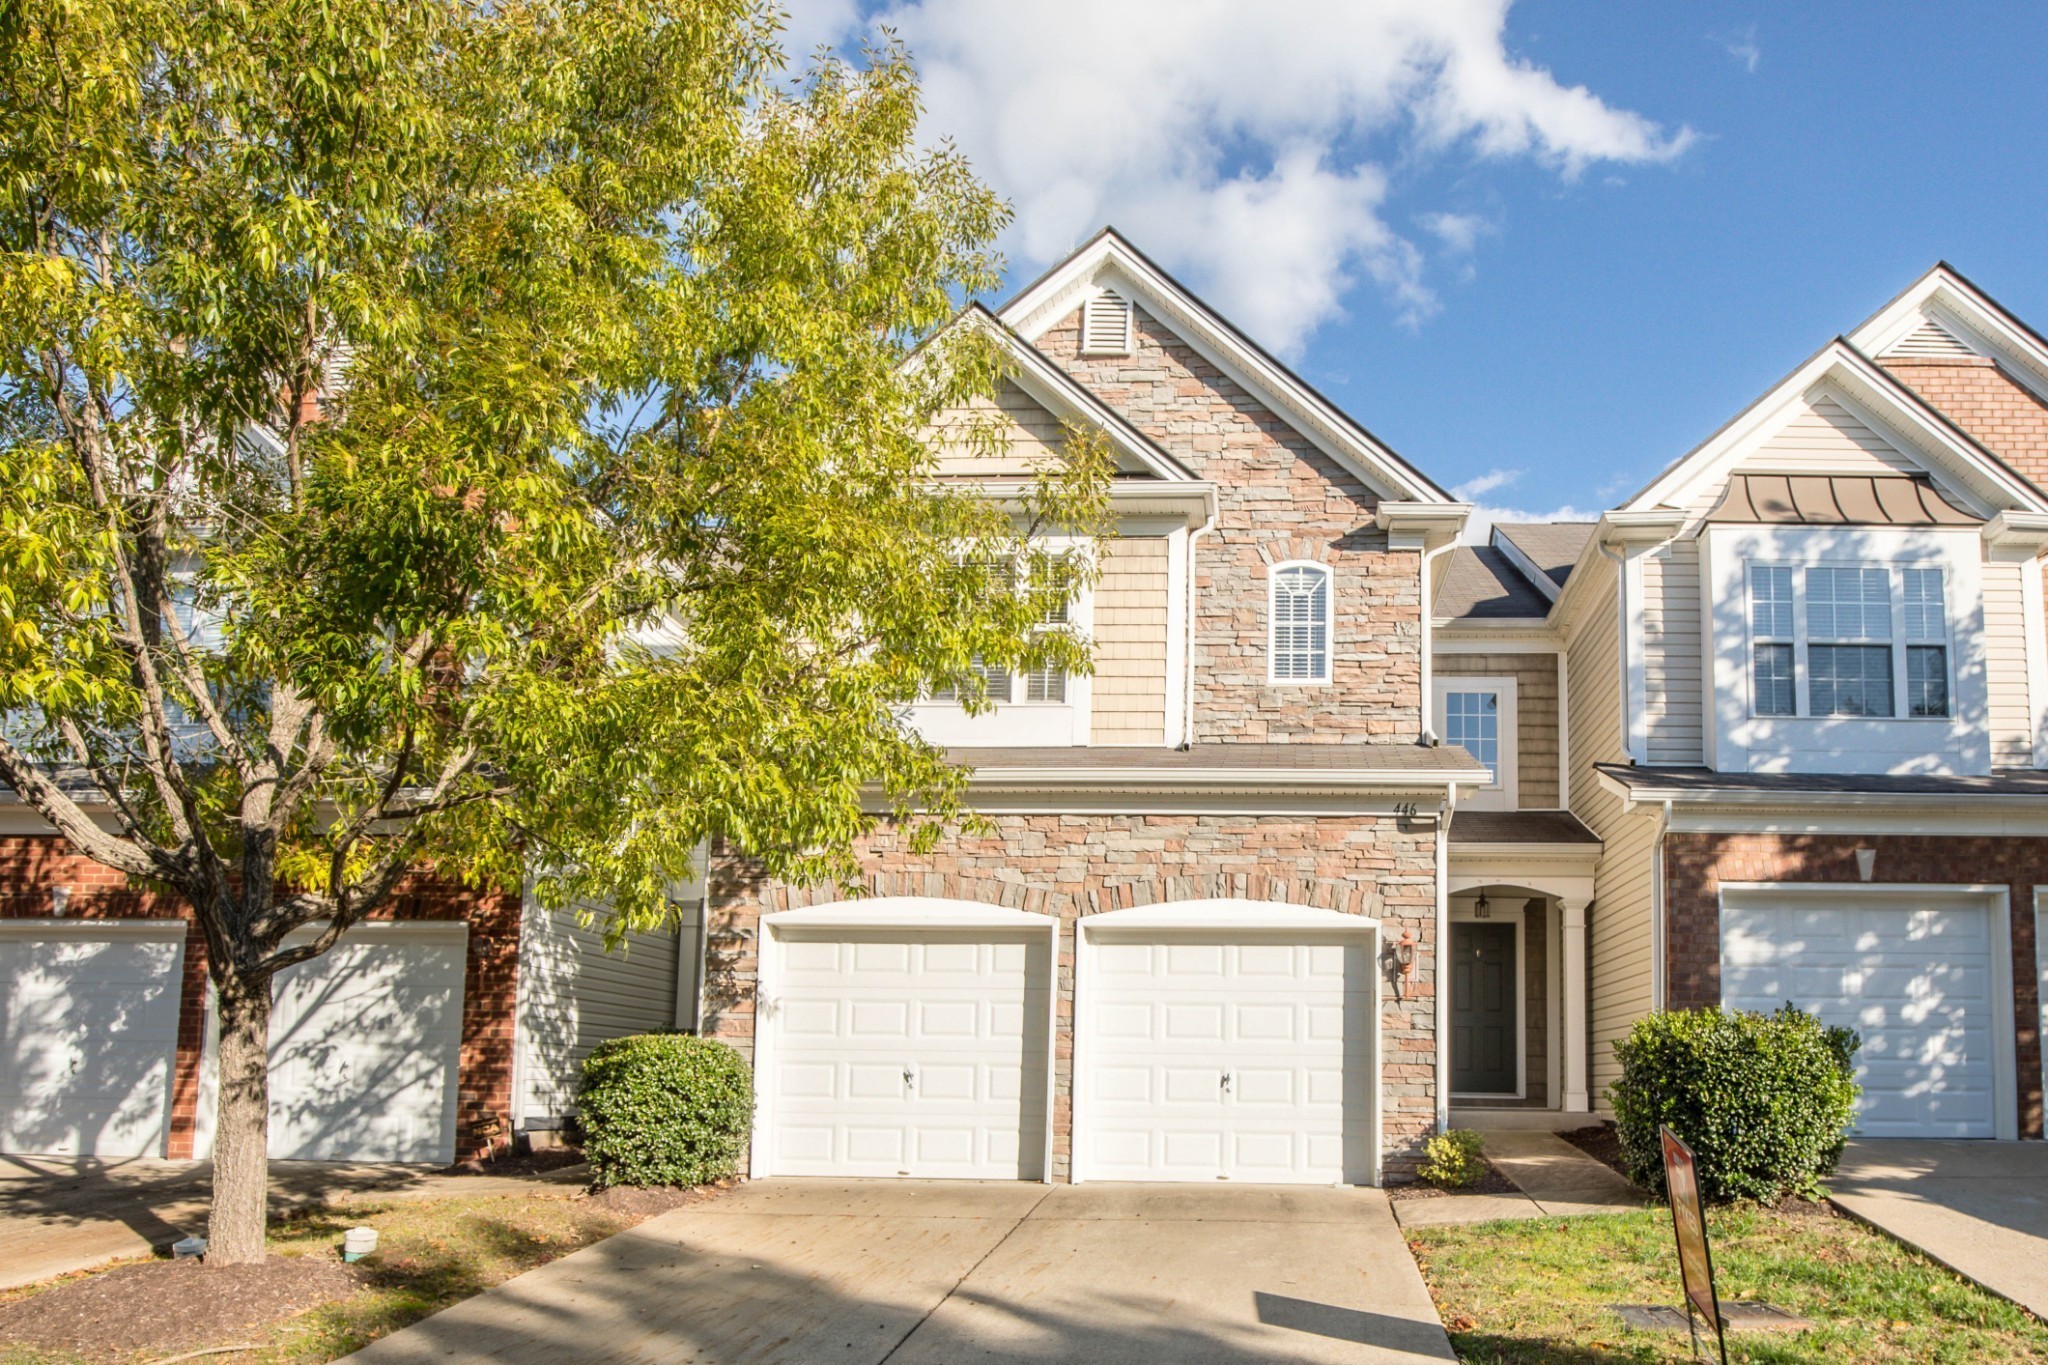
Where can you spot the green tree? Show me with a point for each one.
(482, 439)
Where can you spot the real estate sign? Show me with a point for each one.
(1695, 1260)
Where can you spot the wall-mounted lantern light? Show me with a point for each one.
(1404, 962)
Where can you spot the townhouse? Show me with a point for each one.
(1353, 831)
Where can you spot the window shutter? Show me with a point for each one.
(1106, 325)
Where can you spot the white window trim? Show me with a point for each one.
(1504, 792)
(1462, 913)
(1273, 573)
(1802, 672)
(1013, 719)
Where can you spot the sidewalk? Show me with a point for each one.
(59, 1214)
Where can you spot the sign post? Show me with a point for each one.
(1695, 1260)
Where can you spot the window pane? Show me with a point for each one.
(1848, 604)
(1770, 602)
(1926, 611)
(1045, 684)
(1472, 722)
(1775, 693)
(1850, 680)
(1301, 624)
(995, 677)
(1926, 680)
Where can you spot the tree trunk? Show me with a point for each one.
(241, 1143)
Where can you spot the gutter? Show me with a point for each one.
(1631, 798)
(1187, 709)
(1055, 778)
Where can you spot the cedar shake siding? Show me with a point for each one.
(1279, 499)
(1128, 690)
(1074, 865)
(1697, 864)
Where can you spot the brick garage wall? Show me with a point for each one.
(1279, 499)
(31, 864)
(1697, 864)
(1075, 865)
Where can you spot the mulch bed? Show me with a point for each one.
(1602, 1142)
(512, 1162)
(165, 1306)
(1493, 1182)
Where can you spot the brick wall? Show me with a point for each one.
(1697, 864)
(1987, 403)
(1074, 865)
(1279, 499)
(30, 865)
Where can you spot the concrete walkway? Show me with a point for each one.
(60, 1214)
(1555, 1180)
(788, 1272)
(1980, 1208)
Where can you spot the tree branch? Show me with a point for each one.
(71, 820)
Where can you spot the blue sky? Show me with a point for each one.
(1540, 248)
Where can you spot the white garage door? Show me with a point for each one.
(1212, 1057)
(364, 1044)
(1914, 977)
(910, 1053)
(88, 1031)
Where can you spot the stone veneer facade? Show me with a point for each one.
(31, 864)
(1278, 499)
(1697, 864)
(1074, 865)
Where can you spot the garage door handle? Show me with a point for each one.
(1226, 1081)
(909, 1077)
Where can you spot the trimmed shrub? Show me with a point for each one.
(664, 1109)
(1451, 1159)
(1763, 1100)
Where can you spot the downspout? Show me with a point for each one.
(1187, 710)
(1429, 557)
(1628, 719)
(1440, 959)
(1657, 964)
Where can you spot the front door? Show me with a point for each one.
(1483, 971)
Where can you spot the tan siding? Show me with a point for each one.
(1823, 438)
(1671, 653)
(1535, 678)
(2005, 666)
(1032, 437)
(1129, 687)
(1618, 926)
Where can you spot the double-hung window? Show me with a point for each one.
(1298, 647)
(1041, 685)
(1836, 640)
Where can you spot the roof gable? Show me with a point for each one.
(1109, 262)
(1943, 315)
(1841, 378)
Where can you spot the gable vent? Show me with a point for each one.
(1106, 325)
(1931, 341)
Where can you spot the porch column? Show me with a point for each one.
(1572, 951)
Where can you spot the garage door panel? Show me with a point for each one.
(1239, 1060)
(1914, 980)
(88, 1030)
(937, 1043)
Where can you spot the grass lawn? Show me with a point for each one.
(431, 1253)
(1539, 1290)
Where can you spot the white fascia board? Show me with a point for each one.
(1923, 804)
(1227, 914)
(1186, 504)
(1525, 566)
(1870, 393)
(1421, 525)
(1496, 635)
(1054, 777)
(1111, 260)
(1967, 313)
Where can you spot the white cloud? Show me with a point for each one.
(1485, 483)
(1479, 527)
(1742, 47)
(1458, 232)
(1248, 146)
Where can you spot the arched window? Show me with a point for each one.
(1298, 624)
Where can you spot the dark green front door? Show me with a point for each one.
(1483, 970)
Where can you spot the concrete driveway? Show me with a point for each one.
(1980, 1208)
(919, 1273)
